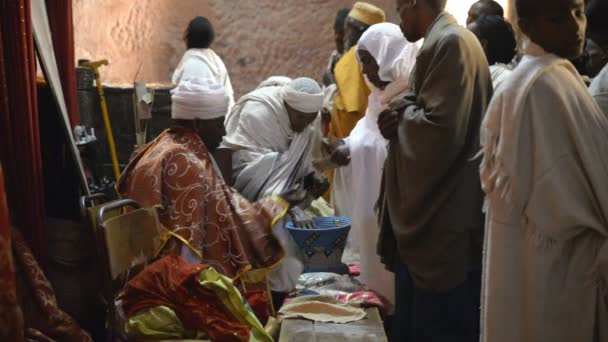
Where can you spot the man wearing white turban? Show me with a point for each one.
(271, 135)
(270, 132)
(203, 219)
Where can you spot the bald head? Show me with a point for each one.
(484, 7)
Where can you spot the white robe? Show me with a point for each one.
(599, 89)
(204, 63)
(396, 58)
(545, 173)
(368, 150)
(499, 72)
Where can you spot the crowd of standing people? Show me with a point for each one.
(471, 167)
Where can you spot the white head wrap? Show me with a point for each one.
(199, 98)
(304, 95)
(274, 81)
(393, 53)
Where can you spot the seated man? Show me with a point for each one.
(270, 133)
(204, 220)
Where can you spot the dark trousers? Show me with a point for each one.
(427, 316)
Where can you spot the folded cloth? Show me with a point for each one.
(321, 309)
(202, 299)
(354, 269)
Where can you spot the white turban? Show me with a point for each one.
(274, 81)
(304, 95)
(199, 98)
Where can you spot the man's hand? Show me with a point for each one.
(295, 195)
(341, 155)
(316, 185)
(301, 219)
(388, 123)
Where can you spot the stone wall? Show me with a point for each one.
(256, 38)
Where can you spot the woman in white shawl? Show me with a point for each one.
(200, 61)
(387, 59)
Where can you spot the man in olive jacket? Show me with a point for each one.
(431, 210)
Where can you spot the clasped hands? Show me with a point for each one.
(389, 119)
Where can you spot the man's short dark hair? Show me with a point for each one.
(437, 4)
(527, 9)
(199, 34)
(340, 19)
(494, 8)
(500, 38)
(597, 16)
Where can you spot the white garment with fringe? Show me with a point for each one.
(545, 173)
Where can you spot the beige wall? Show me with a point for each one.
(256, 38)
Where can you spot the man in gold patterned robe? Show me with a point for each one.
(204, 220)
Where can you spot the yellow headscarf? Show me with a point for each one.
(367, 13)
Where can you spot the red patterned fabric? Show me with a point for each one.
(259, 303)
(173, 283)
(44, 321)
(196, 206)
(11, 320)
(19, 131)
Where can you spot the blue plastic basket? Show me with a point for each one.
(322, 247)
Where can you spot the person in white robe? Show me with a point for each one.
(544, 172)
(270, 133)
(387, 59)
(200, 61)
(599, 89)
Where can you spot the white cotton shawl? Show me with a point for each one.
(269, 156)
(393, 53)
(545, 162)
(204, 63)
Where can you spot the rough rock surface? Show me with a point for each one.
(256, 38)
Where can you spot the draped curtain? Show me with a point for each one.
(11, 321)
(62, 31)
(19, 129)
(19, 122)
